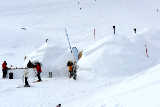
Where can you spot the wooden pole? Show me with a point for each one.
(94, 33)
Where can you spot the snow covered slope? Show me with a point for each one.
(114, 70)
(139, 90)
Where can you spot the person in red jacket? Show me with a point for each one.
(4, 69)
(39, 70)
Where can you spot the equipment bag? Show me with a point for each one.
(11, 75)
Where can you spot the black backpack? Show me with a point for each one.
(30, 64)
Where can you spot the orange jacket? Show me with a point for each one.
(70, 68)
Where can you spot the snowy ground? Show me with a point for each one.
(114, 70)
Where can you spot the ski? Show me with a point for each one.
(38, 81)
(22, 86)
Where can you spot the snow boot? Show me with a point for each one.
(27, 85)
(75, 76)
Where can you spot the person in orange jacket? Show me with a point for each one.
(4, 69)
(70, 68)
(39, 70)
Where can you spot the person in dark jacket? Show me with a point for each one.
(72, 68)
(114, 29)
(135, 30)
(4, 69)
(39, 70)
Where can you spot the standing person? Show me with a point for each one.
(46, 40)
(4, 69)
(114, 30)
(135, 30)
(38, 68)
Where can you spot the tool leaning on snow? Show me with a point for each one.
(72, 67)
(16, 68)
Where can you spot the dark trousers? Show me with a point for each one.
(73, 74)
(39, 76)
(4, 73)
(26, 81)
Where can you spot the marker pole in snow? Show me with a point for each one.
(94, 33)
(69, 44)
(157, 10)
(146, 50)
(68, 40)
(79, 4)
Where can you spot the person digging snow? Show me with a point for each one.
(39, 70)
(72, 69)
(4, 69)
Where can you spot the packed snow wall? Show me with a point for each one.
(53, 59)
(121, 55)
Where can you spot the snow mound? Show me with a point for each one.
(121, 55)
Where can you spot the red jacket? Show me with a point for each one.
(4, 66)
(38, 67)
